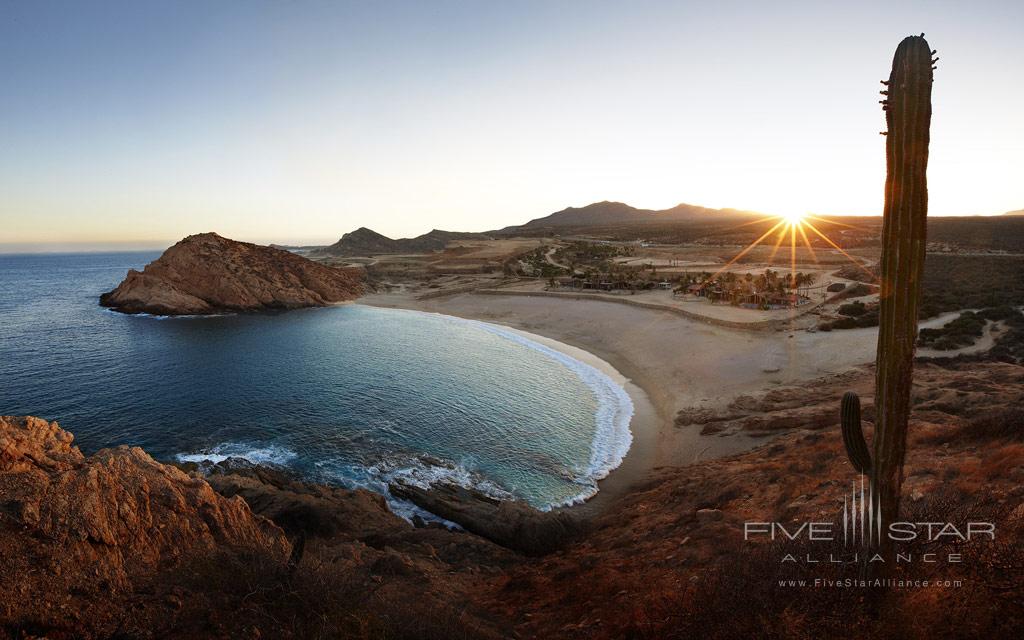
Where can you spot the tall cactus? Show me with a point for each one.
(908, 112)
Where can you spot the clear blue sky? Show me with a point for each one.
(141, 122)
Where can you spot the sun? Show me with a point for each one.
(793, 219)
(790, 231)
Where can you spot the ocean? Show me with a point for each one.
(350, 395)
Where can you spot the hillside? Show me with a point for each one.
(367, 242)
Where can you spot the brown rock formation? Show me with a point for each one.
(511, 523)
(118, 507)
(119, 545)
(206, 274)
(71, 524)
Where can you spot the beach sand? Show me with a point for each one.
(666, 362)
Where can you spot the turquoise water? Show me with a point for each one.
(352, 395)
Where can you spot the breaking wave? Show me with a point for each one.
(612, 436)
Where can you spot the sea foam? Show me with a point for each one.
(609, 445)
(612, 436)
(267, 454)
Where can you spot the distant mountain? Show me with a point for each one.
(614, 213)
(1018, 212)
(367, 242)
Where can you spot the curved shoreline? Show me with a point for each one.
(649, 421)
(615, 436)
(633, 465)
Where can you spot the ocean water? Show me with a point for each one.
(352, 395)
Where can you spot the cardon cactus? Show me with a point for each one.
(853, 436)
(908, 112)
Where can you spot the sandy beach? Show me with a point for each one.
(666, 362)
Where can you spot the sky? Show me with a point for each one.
(137, 123)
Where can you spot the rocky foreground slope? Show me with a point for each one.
(206, 274)
(117, 545)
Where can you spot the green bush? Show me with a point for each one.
(962, 332)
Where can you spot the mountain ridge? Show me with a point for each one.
(365, 241)
(609, 212)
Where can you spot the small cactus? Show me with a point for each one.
(853, 436)
(908, 116)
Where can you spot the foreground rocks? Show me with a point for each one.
(117, 544)
(73, 529)
(118, 509)
(207, 274)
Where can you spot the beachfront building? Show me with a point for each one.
(745, 293)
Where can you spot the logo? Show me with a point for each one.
(859, 526)
(862, 516)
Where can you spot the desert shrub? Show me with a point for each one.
(1002, 312)
(952, 283)
(1004, 233)
(995, 424)
(853, 309)
(856, 290)
(1007, 422)
(867, 319)
(961, 332)
(859, 273)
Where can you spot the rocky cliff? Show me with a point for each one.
(75, 530)
(206, 274)
(118, 545)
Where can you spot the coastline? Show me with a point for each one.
(666, 363)
(614, 476)
(655, 438)
(643, 425)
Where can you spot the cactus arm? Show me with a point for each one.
(853, 436)
(908, 115)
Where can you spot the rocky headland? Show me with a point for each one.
(208, 274)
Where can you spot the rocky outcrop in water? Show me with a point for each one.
(512, 524)
(208, 274)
